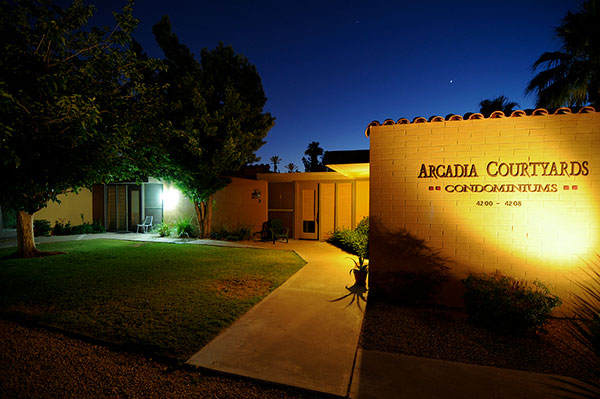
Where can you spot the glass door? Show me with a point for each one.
(309, 211)
(135, 207)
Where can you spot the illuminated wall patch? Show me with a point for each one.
(514, 195)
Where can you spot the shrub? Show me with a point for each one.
(41, 228)
(241, 232)
(9, 218)
(184, 228)
(84, 228)
(506, 304)
(163, 229)
(61, 229)
(354, 241)
(98, 227)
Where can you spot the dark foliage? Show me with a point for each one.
(505, 304)
(238, 233)
(311, 162)
(163, 229)
(9, 218)
(500, 103)
(572, 75)
(41, 228)
(354, 241)
(185, 228)
(585, 326)
(61, 229)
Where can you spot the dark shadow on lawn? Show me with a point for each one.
(37, 254)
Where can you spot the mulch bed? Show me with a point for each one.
(35, 363)
(446, 334)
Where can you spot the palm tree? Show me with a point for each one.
(500, 103)
(291, 167)
(275, 160)
(572, 77)
(312, 163)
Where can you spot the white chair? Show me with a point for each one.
(146, 225)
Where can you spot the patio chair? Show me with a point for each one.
(278, 231)
(146, 225)
(264, 234)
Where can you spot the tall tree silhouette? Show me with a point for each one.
(216, 109)
(500, 103)
(311, 162)
(74, 109)
(572, 77)
(291, 167)
(275, 161)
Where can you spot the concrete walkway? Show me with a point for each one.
(8, 239)
(304, 334)
(389, 375)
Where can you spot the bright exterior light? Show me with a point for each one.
(352, 170)
(170, 198)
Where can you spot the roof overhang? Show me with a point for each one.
(352, 170)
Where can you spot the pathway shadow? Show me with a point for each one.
(357, 292)
(573, 388)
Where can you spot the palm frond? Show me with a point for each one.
(585, 324)
(572, 76)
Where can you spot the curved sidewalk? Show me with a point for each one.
(304, 334)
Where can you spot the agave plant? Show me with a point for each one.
(360, 263)
(585, 325)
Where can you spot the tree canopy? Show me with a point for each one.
(311, 162)
(572, 75)
(291, 167)
(215, 107)
(500, 103)
(275, 160)
(72, 104)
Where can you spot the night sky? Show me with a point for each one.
(330, 67)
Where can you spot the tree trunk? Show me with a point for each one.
(26, 243)
(204, 215)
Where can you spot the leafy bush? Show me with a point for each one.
(239, 233)
(9, 218)
(506, 304)
(41, 228)
(184, 228)
(354, 241)
(84, 228)
(163, 229)
(98, 227)
(61, 229)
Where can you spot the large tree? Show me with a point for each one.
(71, 105)
(311, 162)
(216, 110)
(572, 75)
(500, 103)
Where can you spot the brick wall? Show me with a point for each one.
(528, 226)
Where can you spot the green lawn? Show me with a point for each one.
(167, 298)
